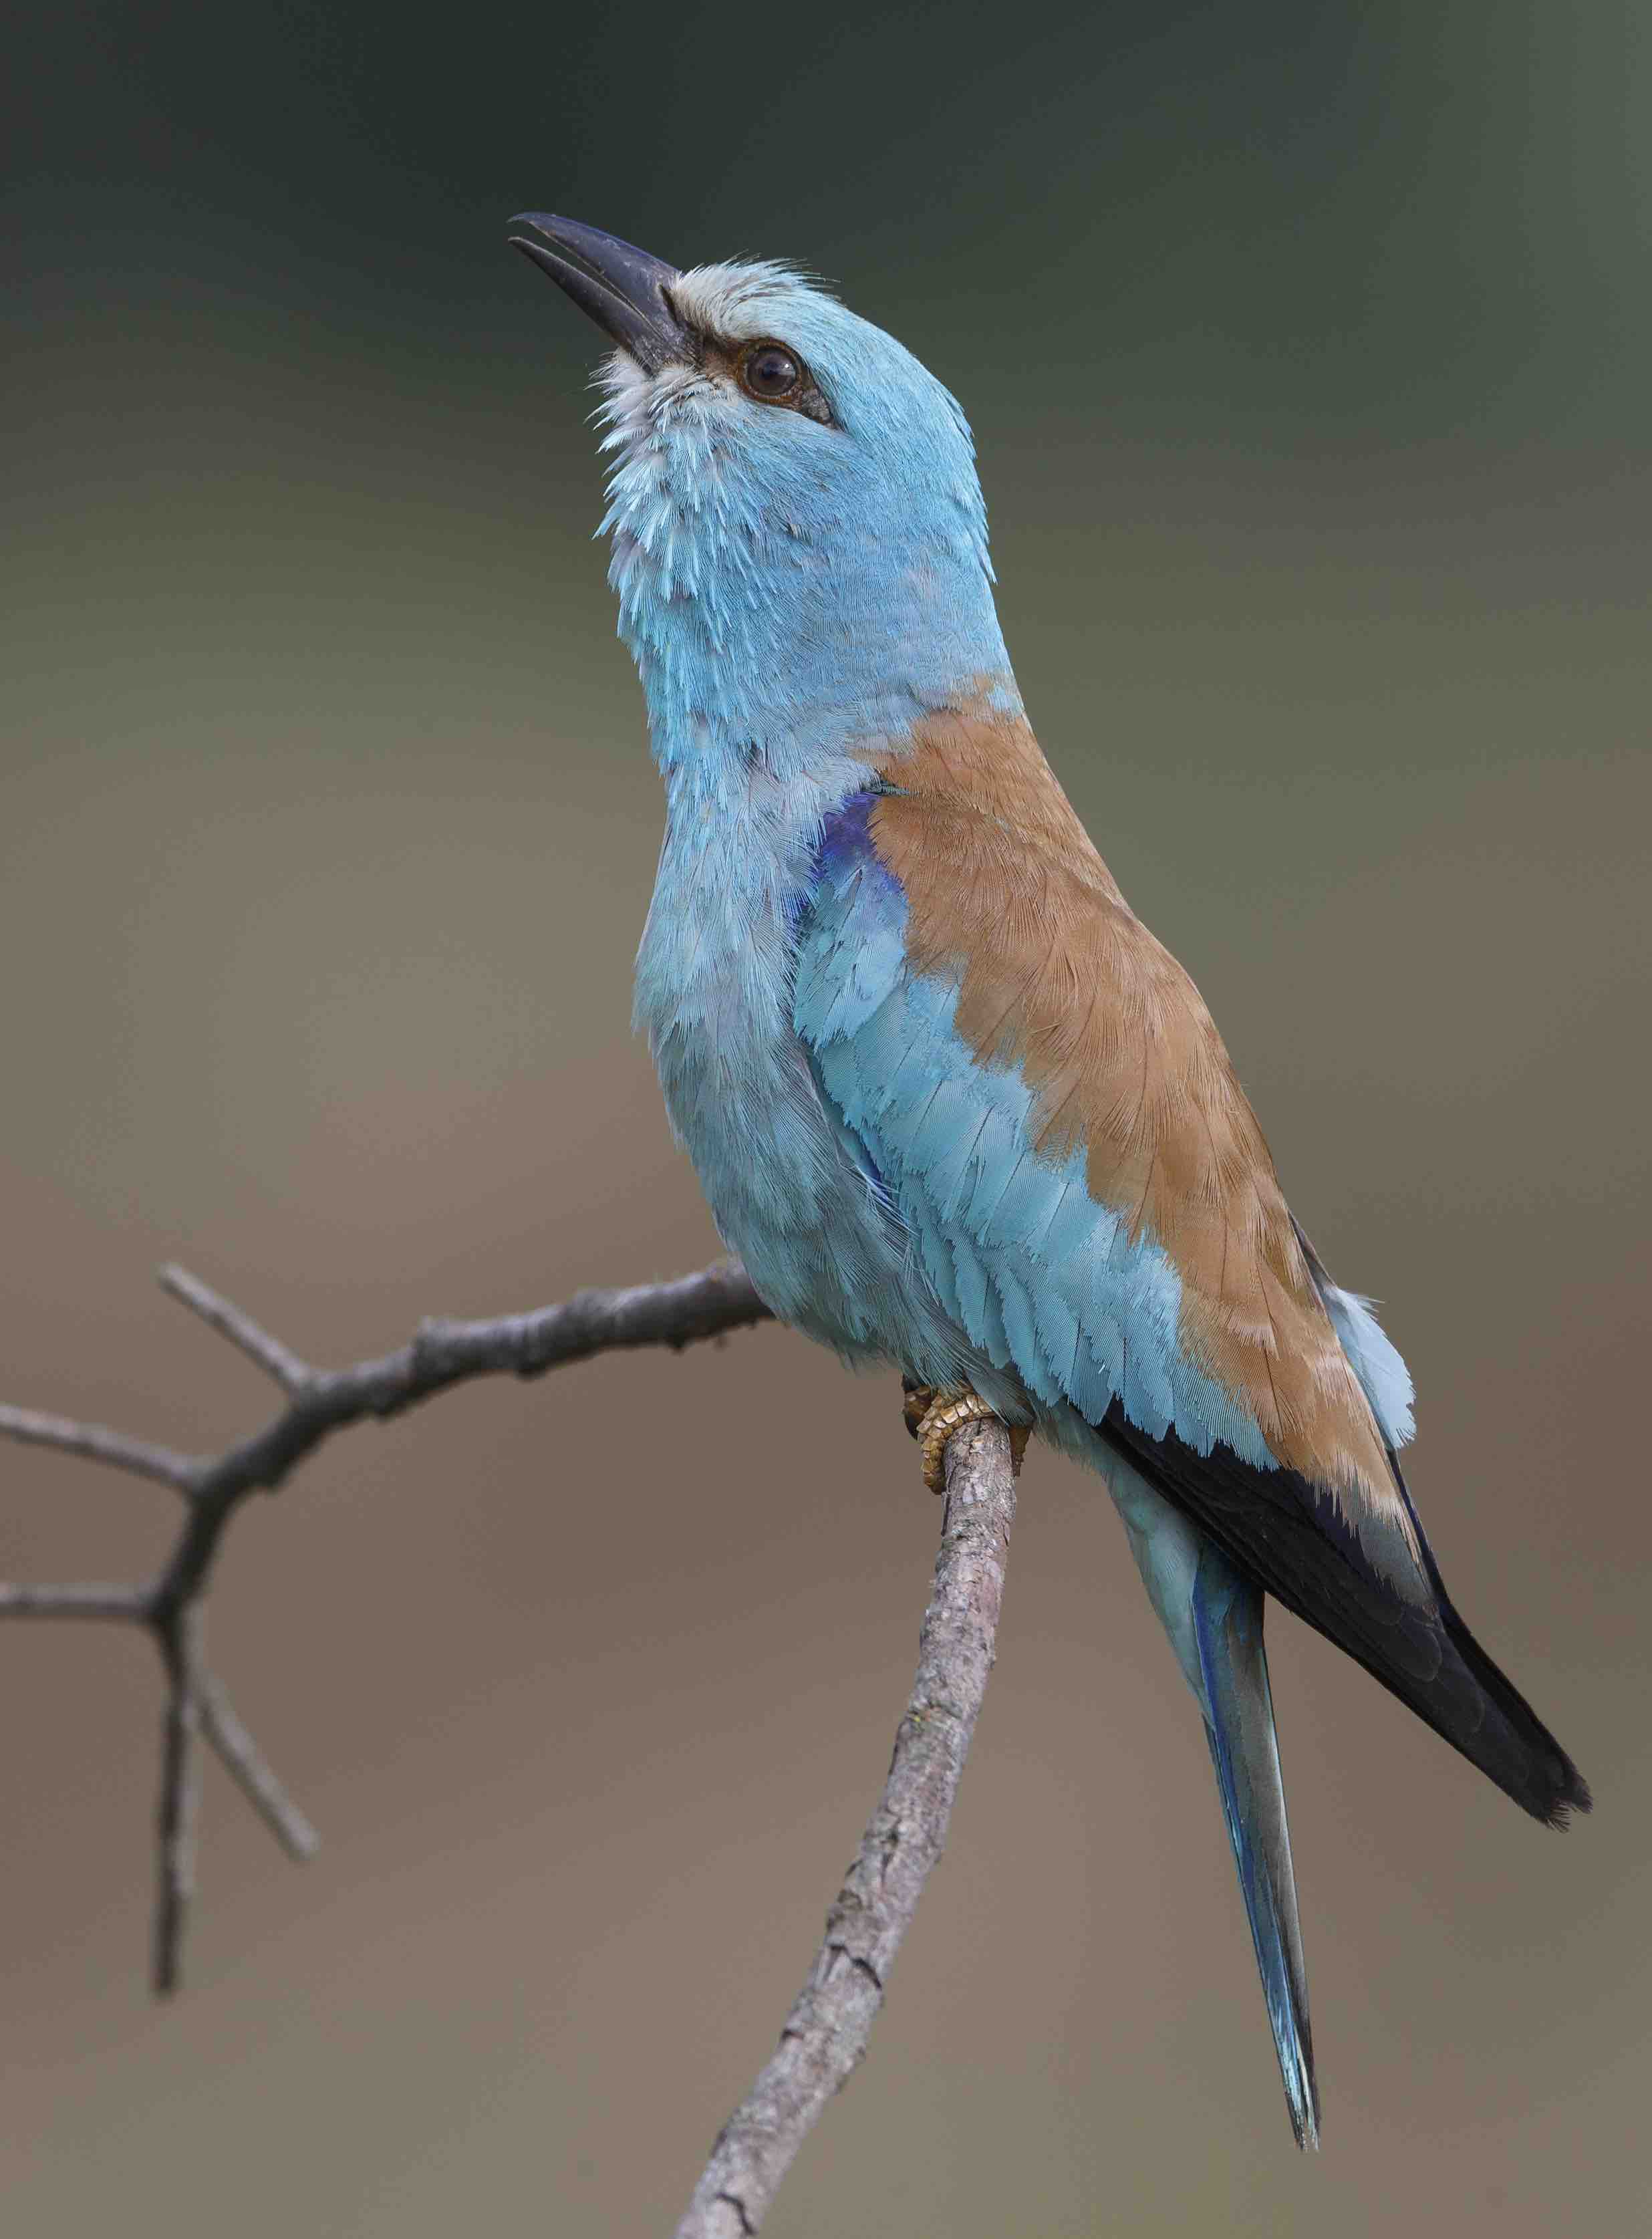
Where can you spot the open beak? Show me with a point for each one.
(624, 289)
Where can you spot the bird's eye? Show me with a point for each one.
(770, 373)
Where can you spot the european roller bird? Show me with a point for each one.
(955, 1107)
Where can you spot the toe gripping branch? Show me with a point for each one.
(932, 1416)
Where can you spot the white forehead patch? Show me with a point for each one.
(740, 302)
(731, 303)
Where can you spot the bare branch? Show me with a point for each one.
(318, 1402)
(444, 1353)
(265, 1351)
(97, 1444)
(251, 1771)
(827, 2030)
(174, 1818)
(129, 1602)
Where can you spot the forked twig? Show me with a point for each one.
(317, 1403)
(826, 2031)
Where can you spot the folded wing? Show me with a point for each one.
(1044, 1095)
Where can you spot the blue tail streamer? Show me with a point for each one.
(1239, 1724)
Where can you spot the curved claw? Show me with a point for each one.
(932, 1417)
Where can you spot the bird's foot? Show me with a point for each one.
(932, 1416)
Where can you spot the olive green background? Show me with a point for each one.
(1308, 351)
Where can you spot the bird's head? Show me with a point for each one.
(800, 542)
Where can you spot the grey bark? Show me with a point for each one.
(172, 1605)
(827, 2030)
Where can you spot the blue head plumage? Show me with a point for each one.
(800, 540)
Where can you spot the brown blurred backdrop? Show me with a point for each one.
(1307, 347)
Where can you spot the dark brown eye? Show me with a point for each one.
(771, 372)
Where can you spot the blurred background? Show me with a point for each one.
(1308, 351)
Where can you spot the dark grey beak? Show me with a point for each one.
(624, 289)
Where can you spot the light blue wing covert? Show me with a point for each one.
(1044, 1281)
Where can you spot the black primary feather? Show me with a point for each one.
(1286, 1533)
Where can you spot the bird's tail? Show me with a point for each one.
(1239, 1724)
(1213, 1615)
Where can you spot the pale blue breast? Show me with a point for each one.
(789, 1189)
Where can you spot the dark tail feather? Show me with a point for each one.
(1487, 1718)
(1288, 1536)
(1227, 1624)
